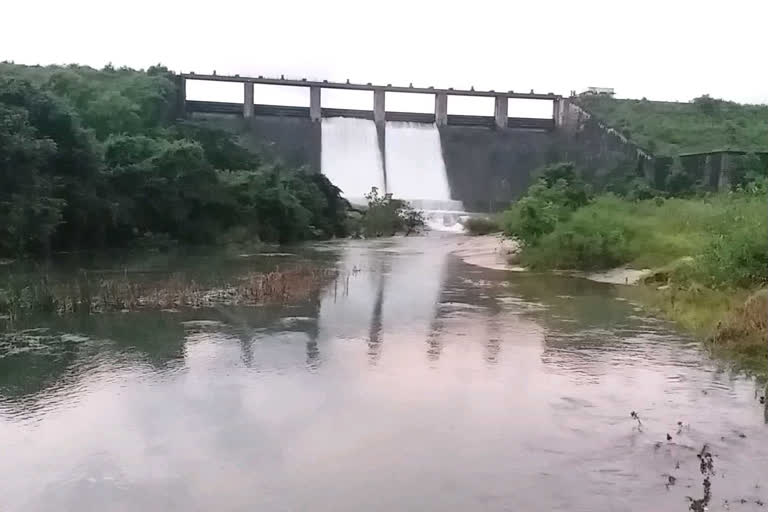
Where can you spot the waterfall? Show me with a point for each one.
(416, 172)
(351, 159)
(350, 156)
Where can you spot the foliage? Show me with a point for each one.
(584, 241)
(285, 205)
(669, 128)
(557, 193)
(749, 173)
(386, 216)
(725, 234)
(481, 225)
(93, 159)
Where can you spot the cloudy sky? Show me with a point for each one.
(660, 49)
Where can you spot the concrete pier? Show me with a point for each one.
(441, 109)
(380, 118)
(247, 99)
(557, 112)
(315, 109)
(500, 111)
(379, 109)
(181, 98)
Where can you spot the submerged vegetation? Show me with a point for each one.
(95, 294)
(709, 252)
(669, 128)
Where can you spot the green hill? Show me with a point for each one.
(670, 129)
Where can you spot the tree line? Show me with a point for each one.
(94, 159)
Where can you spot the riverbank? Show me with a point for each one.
(732, 322)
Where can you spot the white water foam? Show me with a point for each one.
(350, 156)
(416, 172)
(415, 167)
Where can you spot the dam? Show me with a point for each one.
(438, 160)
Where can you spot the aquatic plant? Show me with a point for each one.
(96, 295)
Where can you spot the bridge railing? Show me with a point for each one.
(316, 111)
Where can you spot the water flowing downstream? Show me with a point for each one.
(415, 170)
(350, 156)
(414, 381)
(415, 167)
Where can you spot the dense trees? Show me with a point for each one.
(92, 159)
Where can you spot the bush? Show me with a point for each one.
(481, 226)
(588, 240)
(557, 193)
(386, 216)
(725, 237)
(736, 257)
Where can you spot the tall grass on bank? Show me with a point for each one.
(725, 235)
(709, 258)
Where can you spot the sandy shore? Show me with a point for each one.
(495, 251)
(489, 251)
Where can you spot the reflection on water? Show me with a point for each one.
(413, 382)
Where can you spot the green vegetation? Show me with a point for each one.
(669, 129)
(482, 225)
(94, 159)
(710, 253)
(558, 191)
(719, 232)
(386, 216)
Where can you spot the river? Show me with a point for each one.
(415, 381)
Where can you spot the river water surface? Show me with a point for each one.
(415, 381)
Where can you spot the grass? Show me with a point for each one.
(718, 231)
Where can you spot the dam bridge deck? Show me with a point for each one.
(247, 109)
(215, 107)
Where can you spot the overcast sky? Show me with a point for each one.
(660, 49)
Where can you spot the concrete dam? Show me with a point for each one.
(438, 161)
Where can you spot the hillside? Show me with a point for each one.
(669, 128)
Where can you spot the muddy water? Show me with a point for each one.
(414, 382)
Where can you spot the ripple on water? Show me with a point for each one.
(39, 340)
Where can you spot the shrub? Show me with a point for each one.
(386, 216)
(481, 225)
(723, 238)
(736, 257)
(557, 193)
(538, 212)
(589, 240)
